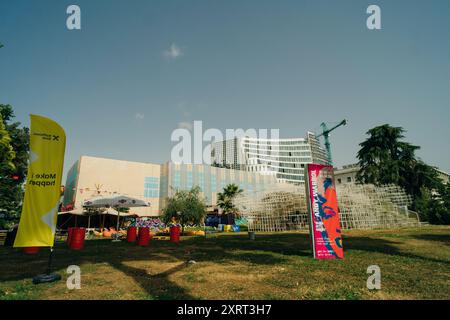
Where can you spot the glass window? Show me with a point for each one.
(151, 187)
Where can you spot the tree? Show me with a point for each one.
(433, 206)
(185, 207)
(7, 156)
(7, 153)
(20, 142)
(13, 164)
(419, 176)
(385, 159)
(445, 201)
(225, 198)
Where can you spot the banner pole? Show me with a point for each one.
(48, 276)
(38, 220)
(117, 235)
(50, 258)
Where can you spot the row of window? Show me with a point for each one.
(240, 176)
(349, 179)
(214, 189)
(277, 148)
(295, 171)
(151, 193)
(278, 161)
(287, 155)
(213, 183)
(276, 142)
(151, 187)
(290, 177)
(279, 153)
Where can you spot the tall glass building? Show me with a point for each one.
(284, 159)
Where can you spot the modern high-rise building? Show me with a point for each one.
(284, 159)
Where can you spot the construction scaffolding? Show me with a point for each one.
(361, 206)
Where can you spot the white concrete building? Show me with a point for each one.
(347, 174)
(283, 158)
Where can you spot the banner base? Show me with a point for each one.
(46, 278)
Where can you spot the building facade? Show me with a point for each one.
(444, 176)
(91, 176)
(210, 179)
(284, 159)
(347, 174)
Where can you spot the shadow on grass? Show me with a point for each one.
(267, 249)
(385, 247)
(298, 244)
(444, 238)
(157, 286)
(284, 244)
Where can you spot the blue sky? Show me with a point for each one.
(138, 69)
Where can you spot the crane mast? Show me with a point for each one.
(326, 136)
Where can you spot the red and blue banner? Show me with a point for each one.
(325, 226)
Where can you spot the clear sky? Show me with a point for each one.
(139, 69)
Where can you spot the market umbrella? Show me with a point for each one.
(117, 202)
(74, 212)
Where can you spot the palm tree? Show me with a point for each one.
(225, 198)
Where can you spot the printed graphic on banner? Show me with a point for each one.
(323, 209)
(43, 186)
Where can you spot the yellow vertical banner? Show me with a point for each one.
(43, 185)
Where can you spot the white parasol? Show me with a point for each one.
(116, 202)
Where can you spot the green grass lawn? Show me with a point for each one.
(415, 264)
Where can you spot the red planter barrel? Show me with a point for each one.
(69, 235)
(144, 237)
(175, 234)
(131, 234)
(77, 239)
(31, 250)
